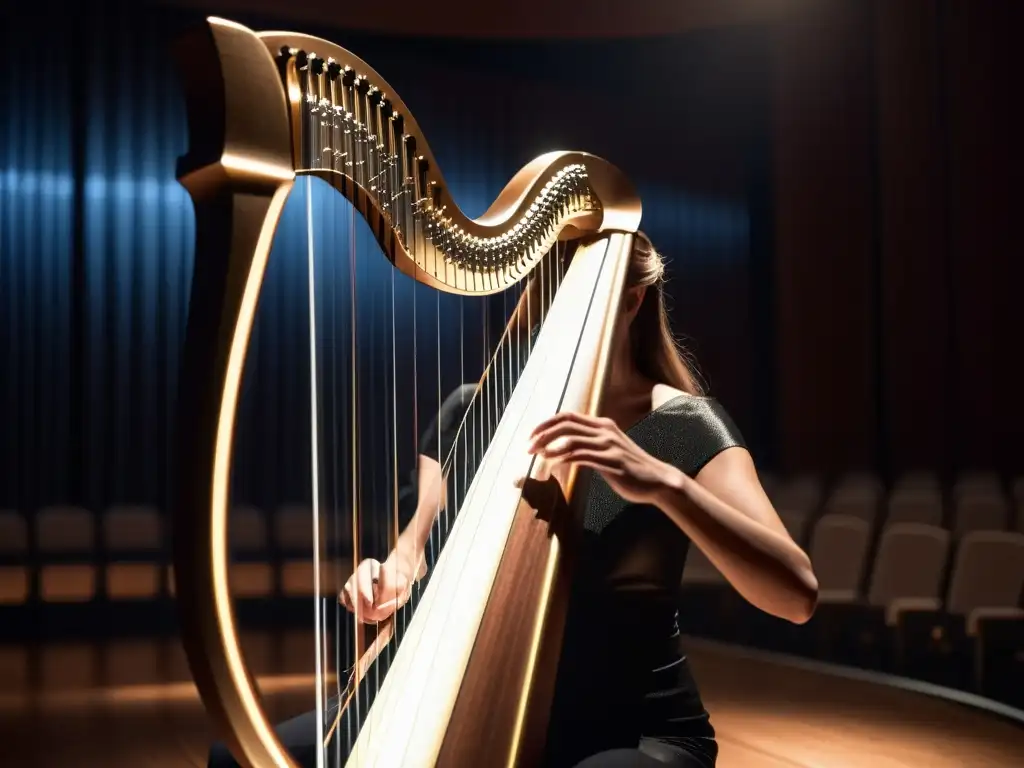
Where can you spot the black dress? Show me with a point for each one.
(624, 691)
(624, 696)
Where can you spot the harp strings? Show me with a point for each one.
(482, 494)
(483, 413)
(375, 448)
(319, 640)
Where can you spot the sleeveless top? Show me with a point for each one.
(621, 675)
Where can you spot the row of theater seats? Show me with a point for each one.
(898, 587)
(917, 598)
(66, 555)
(976, 501)
(69, 555)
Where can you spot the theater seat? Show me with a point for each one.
(251, 580)
(14, 570)
(1017, 493)
(66, 539)
(985, 587)
(293, 526)
(980, 509)
(68, 572)
(860, 484)
(17, 618)
(989, 572)
(797, 525)
(839, 553)
(998, 635)
(910, 564)
(918, 480)
(769, 482)
(298, 578)
(293, 529)
(854, 501)
(915, 505)
(137, 594)
(801, 495)
(838, 550)
(133, 540)
(977, 482)
(1017, 488)
(252, 575)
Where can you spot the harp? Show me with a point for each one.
(472, 681)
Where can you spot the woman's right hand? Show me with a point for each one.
(376, 590)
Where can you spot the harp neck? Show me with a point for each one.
(325, 112)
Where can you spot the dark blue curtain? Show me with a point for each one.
(96, 236)
(137, 240)
(37, 197)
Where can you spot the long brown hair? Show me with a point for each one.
(658, 354)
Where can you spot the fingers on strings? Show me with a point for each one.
(374, 591)
(568, 433)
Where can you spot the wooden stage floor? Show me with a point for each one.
(131, 706)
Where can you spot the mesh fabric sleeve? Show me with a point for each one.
(439, 436)
(695, 430)
(686, 432)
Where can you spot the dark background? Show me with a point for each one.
(834, 186)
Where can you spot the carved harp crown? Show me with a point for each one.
(469, 686)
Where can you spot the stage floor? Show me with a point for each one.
(131, 706)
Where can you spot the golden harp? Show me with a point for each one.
(472, 682)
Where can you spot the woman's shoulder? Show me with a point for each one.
(692, 429)
(685, 405)
(664, 394)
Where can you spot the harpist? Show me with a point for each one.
(670, 469)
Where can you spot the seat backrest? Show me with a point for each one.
(247, 530)
(860, 483)
(854, 502)
(293, 527)
(799, 494)
(918, 480)
(911, 562)
(988, 572)
(14, 558)
(129, 529)
(1017, 493)
(1017, 488)
(66, 545)
(13, 535)
(977, 482)
(839, 550)
(796, 524)
(915, 505)
(770, 482)
(65, 530)
(980, 511)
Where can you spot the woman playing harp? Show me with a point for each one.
(673, 471)
(484, 656)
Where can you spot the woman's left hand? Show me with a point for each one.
(596, 442)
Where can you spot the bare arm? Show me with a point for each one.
(726, 513)
(412, 541)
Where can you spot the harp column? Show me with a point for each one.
(239, 173)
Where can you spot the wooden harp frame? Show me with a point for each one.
(245, 93)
